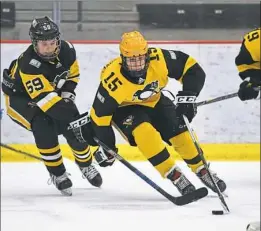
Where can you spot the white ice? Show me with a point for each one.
(125, 202)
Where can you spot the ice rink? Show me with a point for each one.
(125, 202)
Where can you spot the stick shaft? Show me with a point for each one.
(20, 152)
(200, 151)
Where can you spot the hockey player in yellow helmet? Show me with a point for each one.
(134, 54)
(130, 98)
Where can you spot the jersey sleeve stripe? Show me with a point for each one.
(100, 121)
(245, 67)
(48, 101)
(74, 69)
(189, 63)
(75, 79)
(13, 70)
(15, 115)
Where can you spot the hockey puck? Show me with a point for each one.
(217, 212)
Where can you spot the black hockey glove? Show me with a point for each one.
(82, 129)
(186, 105)
(247, 89)
(103, 158)
(8, 84)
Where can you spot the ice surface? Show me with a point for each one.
(124, 203)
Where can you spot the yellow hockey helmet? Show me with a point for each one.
(135, 57)
(133, 44)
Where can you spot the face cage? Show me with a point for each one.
(48, 57)
(136, 75)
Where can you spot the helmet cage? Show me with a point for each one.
(135, 68)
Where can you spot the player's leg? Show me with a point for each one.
(184, 145)
(174, 131)
(160, 119)
(135, 125)
(83, 158)
(46, 139)
(30, 117)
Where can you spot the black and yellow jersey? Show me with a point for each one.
(248, 59)
(34, 79)
(117, 90)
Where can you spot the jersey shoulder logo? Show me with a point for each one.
(35, 63)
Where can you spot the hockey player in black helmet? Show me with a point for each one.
(44, 32)
(39, 88)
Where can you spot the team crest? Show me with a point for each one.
(150, 90)
(128, 121)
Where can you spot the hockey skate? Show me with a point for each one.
(62, 183)
(181, 182)
(206, 180)
(92, 175)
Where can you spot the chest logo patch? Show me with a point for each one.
(148, 91)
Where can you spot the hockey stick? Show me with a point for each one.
(21, 152)
(220, 98)
(200, 151)
(181, 200)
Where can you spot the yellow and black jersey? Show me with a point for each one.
(116, 90)
(34, 78)
(248, 59)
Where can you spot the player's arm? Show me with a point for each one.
(43, 94)
(248, 65)
(103, 107)
(185, 69)
(68, 89)
(248, 58)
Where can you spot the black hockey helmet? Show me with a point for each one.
(43, 29)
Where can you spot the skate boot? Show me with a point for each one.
(62, 183)
(203, 175)
(183, 185)
(92, 175)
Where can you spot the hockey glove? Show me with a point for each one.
(82, 129)
(247, 89)
(103, 158)
(8, 84)
(186, 104)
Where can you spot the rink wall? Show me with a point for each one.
(228, 130)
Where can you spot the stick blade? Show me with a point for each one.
(191, 197)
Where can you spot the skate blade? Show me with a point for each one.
(66, 192)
